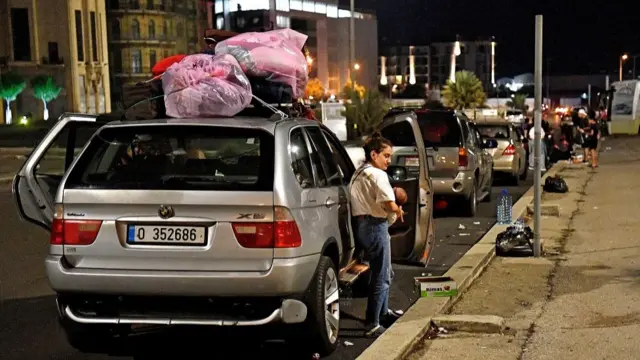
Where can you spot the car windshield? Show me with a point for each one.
(440, 129)
(176, 157)
(494, 131)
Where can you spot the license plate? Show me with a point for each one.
(412, 161)
(166, 235)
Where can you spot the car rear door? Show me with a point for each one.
(36, 184)
(412, 239)
(443, 139)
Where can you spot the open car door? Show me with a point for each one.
(411, 240)
(36, 184)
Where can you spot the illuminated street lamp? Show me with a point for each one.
(356, 66)
(623, 58)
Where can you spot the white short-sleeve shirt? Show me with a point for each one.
(370, 189)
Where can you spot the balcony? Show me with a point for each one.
(135, 6)
(139, 39)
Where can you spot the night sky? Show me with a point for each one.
(580, 36)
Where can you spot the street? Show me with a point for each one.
(28, 315)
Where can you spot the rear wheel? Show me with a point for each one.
(523, 176)
(323, 302)
(471, 203)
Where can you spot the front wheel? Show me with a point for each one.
(323, 301)
(471, 203)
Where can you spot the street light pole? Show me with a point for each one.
(352, 40)
(623, 58)
(537, 142)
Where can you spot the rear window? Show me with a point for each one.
(440, 129)
(494, 131)
(176, 157)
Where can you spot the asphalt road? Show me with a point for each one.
(29, 331)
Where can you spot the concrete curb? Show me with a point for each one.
(402, 337)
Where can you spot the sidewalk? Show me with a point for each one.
(582, 300)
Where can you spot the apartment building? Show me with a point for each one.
(431, 65)
(142, 32)
(65, 39)
(325, 22)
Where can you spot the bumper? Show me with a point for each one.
(290, 312)
(286, 276)
(506, 164)
(461, 185)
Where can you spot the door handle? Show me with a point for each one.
(329, 203)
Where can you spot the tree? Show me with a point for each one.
(465, 93)
(314, 89)
(45, 89)
(367, 111)
(518, 101)
(11, 85)
(348, 90)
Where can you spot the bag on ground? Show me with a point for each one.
(203, 85)
(515, 236)
(555, 184)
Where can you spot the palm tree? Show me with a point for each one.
(364, 113)
(518, 101)
(465, 93)
(11, 85)
(45, 89)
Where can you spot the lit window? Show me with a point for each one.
(219, 8)
(220, 22)
(344, 13)
(283, 21)
(308, 6)
(249, 5)
(282, 5)
(321, 8)
(332, 11)
(295, 4)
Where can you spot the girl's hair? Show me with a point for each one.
(375, 143)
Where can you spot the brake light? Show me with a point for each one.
(463, 157)
(283, 232)
(72, 232)
(510, 150)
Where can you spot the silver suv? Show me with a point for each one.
(225, 222)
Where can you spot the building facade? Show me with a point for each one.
(142, 32)
(326, 24)
(431, 65)
(64, 39)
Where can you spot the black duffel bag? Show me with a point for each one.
(144, 100)
(555, 184)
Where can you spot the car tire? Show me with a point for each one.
(471, 203)
(87, 338)
(487, 197)
(323, 320)
(523, 176)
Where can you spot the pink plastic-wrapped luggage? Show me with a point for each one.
(205, 86)
(273, 55)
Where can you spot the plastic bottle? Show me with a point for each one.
(504, 208)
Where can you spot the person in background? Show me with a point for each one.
(592, 136)
(372, 201)
(559, 144)
(582, 123)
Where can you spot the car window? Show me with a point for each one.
(341, 160)
(300, 159)
(328, 165)
(495, 131)
(440, 128)
(400, 134)
(316, 164)
(176, 157)
(475, 137)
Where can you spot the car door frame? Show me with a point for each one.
(33, 203)
(424, 234)
(487, 159)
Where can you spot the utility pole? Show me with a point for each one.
(537, 137)
(352, 41)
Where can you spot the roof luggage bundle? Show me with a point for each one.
(247, 69)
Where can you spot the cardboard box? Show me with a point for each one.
(436, 286)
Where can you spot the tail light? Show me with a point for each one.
(72, 232)
(463, 157)
(510, 150)
(283, 232)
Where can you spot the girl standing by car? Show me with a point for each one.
(372, 200)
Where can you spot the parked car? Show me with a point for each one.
(510, 157)
(226, 222)
(458, 164)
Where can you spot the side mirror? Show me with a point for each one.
(397, 172)
(490, 144)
